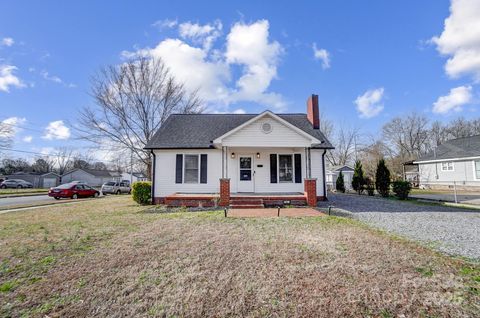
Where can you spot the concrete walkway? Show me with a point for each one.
(289, 212)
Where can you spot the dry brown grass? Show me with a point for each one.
(107, 258)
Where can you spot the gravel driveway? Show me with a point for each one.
(450, 230)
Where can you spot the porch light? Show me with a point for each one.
(258, 155)
(232, 155)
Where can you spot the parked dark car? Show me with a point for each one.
(73, 190)
(15, 184)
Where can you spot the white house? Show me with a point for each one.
(94, 178)
(257, 159)
(333, 173)
(134, 177)
(455, 161)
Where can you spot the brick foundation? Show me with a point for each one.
(158, 200)
(224, 192)
(311, 191)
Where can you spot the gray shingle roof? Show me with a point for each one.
(199, 130)
(455, 148)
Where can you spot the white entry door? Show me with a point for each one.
(246, 174)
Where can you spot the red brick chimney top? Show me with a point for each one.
(312, 111)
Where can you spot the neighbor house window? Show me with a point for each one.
(477, 169)
(191, 169)
(447, 166)
(285, 168)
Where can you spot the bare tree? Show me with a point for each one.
(63, 159)
(43, 164)
(407, 136)
(132, 101)
(344, 140)
(6, 132)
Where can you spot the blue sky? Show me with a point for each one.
(368, 61)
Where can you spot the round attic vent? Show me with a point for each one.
(266, 128)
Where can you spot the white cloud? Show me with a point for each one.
(7, 78)
(370, 103)
(191, 65)
(56, 79)
(204, 34)
(248, 45)
(7, 42)
(454, 101)
(210, 70)
(27, 139)
(166, 23)
(14, 124)
(460, 39)
(322, 55)
(239, 111)
(56, 130)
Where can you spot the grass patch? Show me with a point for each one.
(109, 258)
(22, 191)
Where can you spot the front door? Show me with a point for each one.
(246, 173)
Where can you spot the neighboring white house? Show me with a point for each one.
(455, 161)
(134, 177)
(94, 178)
(266, 155)
(334, 171)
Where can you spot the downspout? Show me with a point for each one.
(323, 171)
(153, 175)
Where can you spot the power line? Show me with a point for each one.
(46, 155)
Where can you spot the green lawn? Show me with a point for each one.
(110, 258)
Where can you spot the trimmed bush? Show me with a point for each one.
(358, 179)
(142, 192)
(382, 179)
(369, 187)
(401, 189)
(340, 184)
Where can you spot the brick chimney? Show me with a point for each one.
(312, 111)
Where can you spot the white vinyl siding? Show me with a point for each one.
(464, 173)
(165, 172)
(253, 136)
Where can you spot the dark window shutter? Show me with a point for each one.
(203, 168)
(273, 168)
(178, 169)
(298, 168)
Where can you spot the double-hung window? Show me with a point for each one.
(285, 168)
(447, 166)
(191, 169)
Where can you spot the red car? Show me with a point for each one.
(73, 190)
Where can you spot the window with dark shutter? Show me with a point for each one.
(273, 168)
(178, 169)
(298, 168)
(203, 168)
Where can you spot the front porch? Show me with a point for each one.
(238, 200)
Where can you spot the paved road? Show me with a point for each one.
(450, 230)
(25, 200)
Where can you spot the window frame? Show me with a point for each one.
(184, 169)
(448, 164)
(292, 155)
(475, 177)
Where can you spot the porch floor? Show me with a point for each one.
(265, 213)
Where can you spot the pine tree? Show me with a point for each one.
(340, 184)
(382, 178)
(358, 179)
